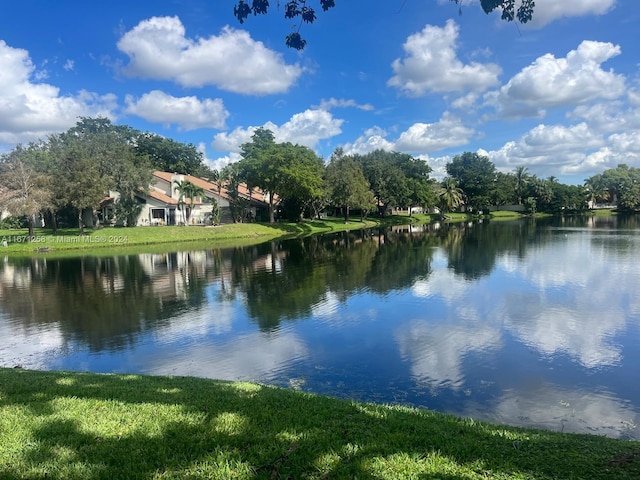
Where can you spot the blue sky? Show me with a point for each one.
(560, 96)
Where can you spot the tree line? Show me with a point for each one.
(381, 180)
(72, 172)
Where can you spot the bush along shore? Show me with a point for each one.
(61, 425)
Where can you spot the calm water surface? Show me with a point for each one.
(525, 323)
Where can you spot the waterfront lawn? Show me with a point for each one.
(131, 240)
(110, 238)
(58, 425)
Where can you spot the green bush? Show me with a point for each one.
(13, 222)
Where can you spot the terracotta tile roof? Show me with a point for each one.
(257, 195)
(163, 175)
(162, 197)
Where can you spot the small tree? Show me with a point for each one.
(181, 187)
(451, 196)
(215, 211)
(530, 205)
(192, 192)
(23, 190)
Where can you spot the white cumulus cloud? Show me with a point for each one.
(420, 137)
(344, 103)
(30, 109)
(546, 11)
(158, 48)
(188, 113)
(306, 128)
(432, 65)
(428, 137)
(560, 82)
(372, 139)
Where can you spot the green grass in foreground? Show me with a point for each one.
(60, 425)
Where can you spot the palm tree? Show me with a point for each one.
(595, 190)
(522, 181)
(192, 192)
(181, 186)
(186, 189)
(451, 195)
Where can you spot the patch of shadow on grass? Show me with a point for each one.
(255, 431)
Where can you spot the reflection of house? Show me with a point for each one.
(162, 205)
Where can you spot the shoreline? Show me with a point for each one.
(120, 239)
(123, 240)
(56, 424)
(131, 240)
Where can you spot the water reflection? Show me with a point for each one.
(436, 351)
(528, 322)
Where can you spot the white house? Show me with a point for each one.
(161, 204)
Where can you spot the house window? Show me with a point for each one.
(157, 216)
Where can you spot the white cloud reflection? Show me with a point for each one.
(436, 352)
(32, 348)
(257, 356)
(552, 407)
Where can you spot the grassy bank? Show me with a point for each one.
(123, 240)
(114, 240)
(68, 425)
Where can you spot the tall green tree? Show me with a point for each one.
(181, 187)
(78, 181)
(302, 182)
(522, 178)
(596, 190)
(476, 176)
(232, 176)
(113, 149)
(193, 192)
(168, 155)
(397, 179)
(346, 184)
(622, 184)
(504, 191)
(281, 170)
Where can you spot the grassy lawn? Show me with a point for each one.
(108, 240)
(60, 425)
(114, 240)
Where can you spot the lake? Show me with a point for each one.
(533, 323)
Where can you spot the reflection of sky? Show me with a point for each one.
(571, 300)
(580, 297)
(216, 318)
(564, 298)
(544, 405)
(442, 282)
(436, 351)
(34, 348)
(255, 356)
